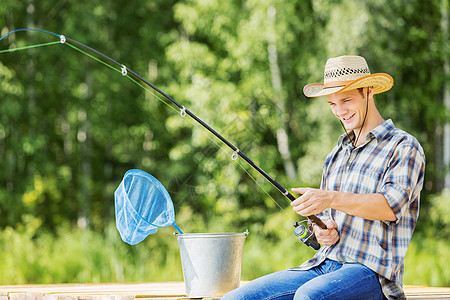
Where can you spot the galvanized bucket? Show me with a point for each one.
(211, 262)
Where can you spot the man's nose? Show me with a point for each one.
(339, 110)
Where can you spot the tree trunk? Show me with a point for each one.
(85, 154)
(446, 133)
(282, 136)
(30, 90)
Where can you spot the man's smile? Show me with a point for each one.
(347, 118)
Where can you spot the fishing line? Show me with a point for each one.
(211, 139)
(262, 188)
(153, 93)
(161, 99)
(29, 47)
(183, 111)
(93, 57)
(225, 150)
(189, 120)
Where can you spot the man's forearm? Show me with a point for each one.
(367, 206)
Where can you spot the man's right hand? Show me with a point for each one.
(329, 236)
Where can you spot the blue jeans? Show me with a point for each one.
(329, 280)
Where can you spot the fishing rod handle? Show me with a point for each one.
(317, 221)
(313, 218)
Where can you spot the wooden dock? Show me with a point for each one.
(151, 290)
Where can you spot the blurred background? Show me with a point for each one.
(71, 127)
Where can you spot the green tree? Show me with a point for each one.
(71, 126)
(409, 46)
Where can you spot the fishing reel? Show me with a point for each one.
(306, 236)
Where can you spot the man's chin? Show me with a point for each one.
(350, 127)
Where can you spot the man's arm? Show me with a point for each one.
(367, 206)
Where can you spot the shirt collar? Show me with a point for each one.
(377, 133)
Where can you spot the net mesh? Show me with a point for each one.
(142, 205)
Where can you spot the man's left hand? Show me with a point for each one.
(312, 201)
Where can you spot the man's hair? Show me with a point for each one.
(361, 91)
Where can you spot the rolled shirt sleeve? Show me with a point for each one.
(404, 178)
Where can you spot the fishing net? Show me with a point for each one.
(142, 205)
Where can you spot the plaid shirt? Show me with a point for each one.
(390, 162)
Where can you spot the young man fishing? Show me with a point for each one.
(369, 199)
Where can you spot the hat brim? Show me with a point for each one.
(381, 82)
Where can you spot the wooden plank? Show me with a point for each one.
(59, 297)
(156, 288)
(125, 291)
(424, 292)
(18, 296)
(147, 291)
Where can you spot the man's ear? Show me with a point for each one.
(369, 92)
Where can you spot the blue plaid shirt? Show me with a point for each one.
(390, 162)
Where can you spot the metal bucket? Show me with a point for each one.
(211, 262)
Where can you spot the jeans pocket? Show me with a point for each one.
(333, 265)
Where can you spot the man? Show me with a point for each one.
(369, 199)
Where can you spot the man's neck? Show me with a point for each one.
(370, 124)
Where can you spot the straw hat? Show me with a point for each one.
(346, 73)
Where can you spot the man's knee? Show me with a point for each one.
(307, 294)
(242, 293)
(234, 294)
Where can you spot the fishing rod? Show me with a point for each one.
(183, 111)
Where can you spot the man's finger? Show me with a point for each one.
(331, 224)
(299, 190)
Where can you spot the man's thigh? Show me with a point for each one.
(351, 281)
(280, 285)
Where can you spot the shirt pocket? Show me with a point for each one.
(367, 180)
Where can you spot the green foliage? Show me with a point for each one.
(426, 262)
(85, 256)
(77, 255)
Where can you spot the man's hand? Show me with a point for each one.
(313, 201)
(329, 236)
